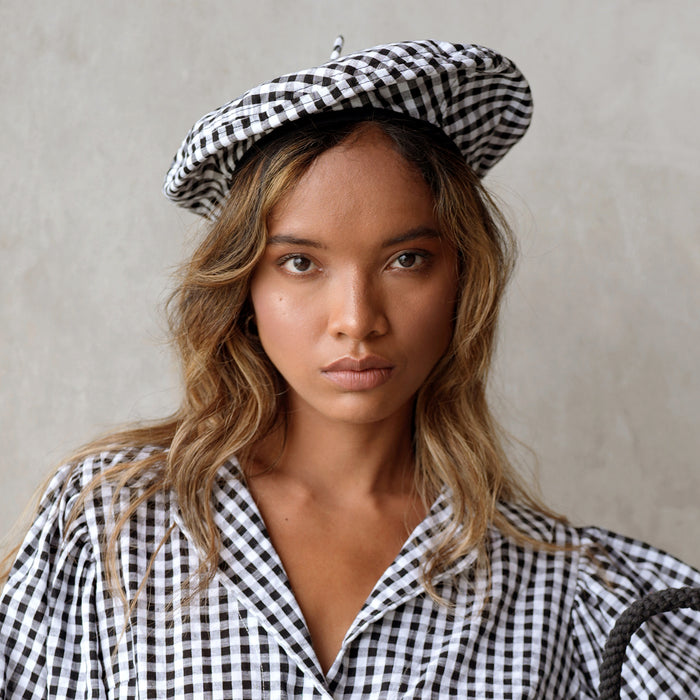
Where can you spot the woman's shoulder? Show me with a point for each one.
(586, 578)
(82, 496)
(80, 508)
(596, 552)
(98, 476)
(598, 573)
(55, 587)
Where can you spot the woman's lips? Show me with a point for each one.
(359, 374)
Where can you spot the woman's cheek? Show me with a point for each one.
(283, 323)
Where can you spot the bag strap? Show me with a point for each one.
(616, 645)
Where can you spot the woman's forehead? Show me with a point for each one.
(361, 185)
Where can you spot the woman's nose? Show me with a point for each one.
(356, 309)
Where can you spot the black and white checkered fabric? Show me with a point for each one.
(476, 96)
(540, 635)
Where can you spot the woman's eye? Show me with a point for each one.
(297, 264)
(408, 261)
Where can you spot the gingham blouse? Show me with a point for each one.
(539, 635)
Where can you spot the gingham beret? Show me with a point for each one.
(479, 99)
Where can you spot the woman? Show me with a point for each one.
(330, 513)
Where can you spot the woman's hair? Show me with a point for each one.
(234, 396)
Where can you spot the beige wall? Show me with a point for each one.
(598, 367)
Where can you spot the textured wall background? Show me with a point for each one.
(598, 366)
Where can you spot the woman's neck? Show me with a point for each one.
(333, 459)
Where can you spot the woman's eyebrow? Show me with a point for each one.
(285, 239)
(412, 235)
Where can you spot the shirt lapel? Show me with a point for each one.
(250, 566)
(402, 581)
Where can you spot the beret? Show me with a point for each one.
(475, 96)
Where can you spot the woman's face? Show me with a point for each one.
(354, 297)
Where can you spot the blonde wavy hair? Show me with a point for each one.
(234, 396)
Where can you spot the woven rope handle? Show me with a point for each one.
(626, 625)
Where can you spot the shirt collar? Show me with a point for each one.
(251, 567)
(403, 580)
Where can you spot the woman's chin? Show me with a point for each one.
(352, 408)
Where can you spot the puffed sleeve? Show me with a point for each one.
(49, 636)
(663, 657)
